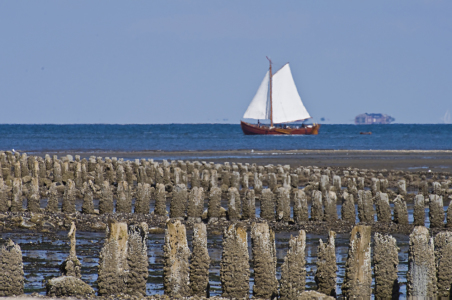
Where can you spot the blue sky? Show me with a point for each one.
(202, 61)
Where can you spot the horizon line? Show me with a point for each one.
(125, 124)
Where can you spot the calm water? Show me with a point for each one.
(177, 137)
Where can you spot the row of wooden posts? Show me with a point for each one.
(123, 264)
(208, 175)
(241, 204)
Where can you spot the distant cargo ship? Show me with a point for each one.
(367, 119)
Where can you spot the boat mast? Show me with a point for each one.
(271, 101)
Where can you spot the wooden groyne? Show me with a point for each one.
(248, 203)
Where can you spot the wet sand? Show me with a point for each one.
(406, 160)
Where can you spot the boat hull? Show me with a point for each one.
(251, 129)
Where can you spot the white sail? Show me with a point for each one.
(287, 104)
(258, 108)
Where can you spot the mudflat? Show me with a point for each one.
(406, 160)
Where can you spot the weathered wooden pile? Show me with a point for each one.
(123, 264)
(196, 189)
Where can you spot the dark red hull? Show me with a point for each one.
(251, 129)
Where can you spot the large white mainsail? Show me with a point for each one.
(287, 104)
(259, 108)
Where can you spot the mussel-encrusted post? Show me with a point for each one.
(264, 261)
(235, 268)
(176, 270)
(443, 258)
(11, 270)
(386, 260)
(300, 207)
(325, 276)
(358, 272)
(200, 261)
(419, 210)
(421, 276)
(293, 270)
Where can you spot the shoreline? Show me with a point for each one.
(404, 160)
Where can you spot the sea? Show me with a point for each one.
(217, 137)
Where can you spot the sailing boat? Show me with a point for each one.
(277, 99)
